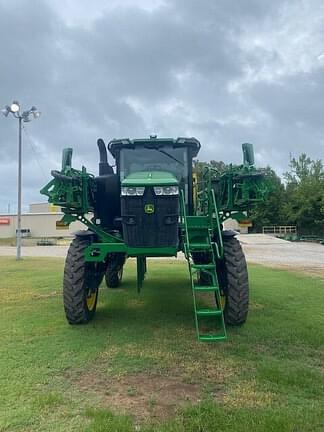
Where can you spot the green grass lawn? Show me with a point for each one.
(138, 365)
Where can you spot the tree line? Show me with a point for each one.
(295, 199)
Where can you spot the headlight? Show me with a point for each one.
(132, 191)
(166, 190)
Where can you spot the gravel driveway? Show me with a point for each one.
(259, 248)
(273, 252)
(35, 251)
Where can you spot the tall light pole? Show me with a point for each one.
(24, 116)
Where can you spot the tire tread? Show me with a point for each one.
(76, 311)
(237, 295)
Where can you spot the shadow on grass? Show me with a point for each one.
(164, 301)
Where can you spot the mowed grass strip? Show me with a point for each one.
(138, 365)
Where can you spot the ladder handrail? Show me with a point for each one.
(220, 249)
(184, 221)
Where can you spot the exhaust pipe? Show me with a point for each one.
(104, 167)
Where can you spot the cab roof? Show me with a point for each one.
(116, 145)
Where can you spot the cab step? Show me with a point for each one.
(199, 246)
(203, 266)
(211, 338)
(209, 312)
(205, 288)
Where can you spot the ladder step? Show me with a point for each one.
(205, 288)
(198, 227)
(209, 312)
(197, 222)
(212, 338)
(201, 246)
(203, 266)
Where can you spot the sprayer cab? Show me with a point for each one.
(152, 172)
(157, 155)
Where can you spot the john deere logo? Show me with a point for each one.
(149, 208)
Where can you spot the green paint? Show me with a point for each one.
(150, 178)
(97, 252)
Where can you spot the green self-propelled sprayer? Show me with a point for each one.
(155, 205)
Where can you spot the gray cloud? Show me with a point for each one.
(226, 72)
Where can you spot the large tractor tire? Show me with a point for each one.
(235, 283)
(114, 270)
(113, 277)
(81, 283)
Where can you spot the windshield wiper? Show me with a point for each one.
(166, 154)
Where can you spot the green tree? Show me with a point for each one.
(304, 204)
(270, 210)
(199, 167)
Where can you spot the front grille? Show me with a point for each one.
(149, 220)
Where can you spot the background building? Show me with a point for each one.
(39, 222)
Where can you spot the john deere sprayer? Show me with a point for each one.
(155, 205)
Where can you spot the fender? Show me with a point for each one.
(229, 233)
(85, 233)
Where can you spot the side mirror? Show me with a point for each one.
(67, 158)
(248, 154)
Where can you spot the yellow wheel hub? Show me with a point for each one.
(91, 300)
(223, 302)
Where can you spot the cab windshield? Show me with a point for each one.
(148, 158)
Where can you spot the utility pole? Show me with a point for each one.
(18, 235)
(14, 109)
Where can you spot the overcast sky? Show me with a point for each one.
(224, 71)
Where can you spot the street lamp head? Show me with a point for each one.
(14, 107)
(26, 114)
(33, 110)
(36, 114)
(6, 110)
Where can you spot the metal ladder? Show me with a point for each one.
(197, 237)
